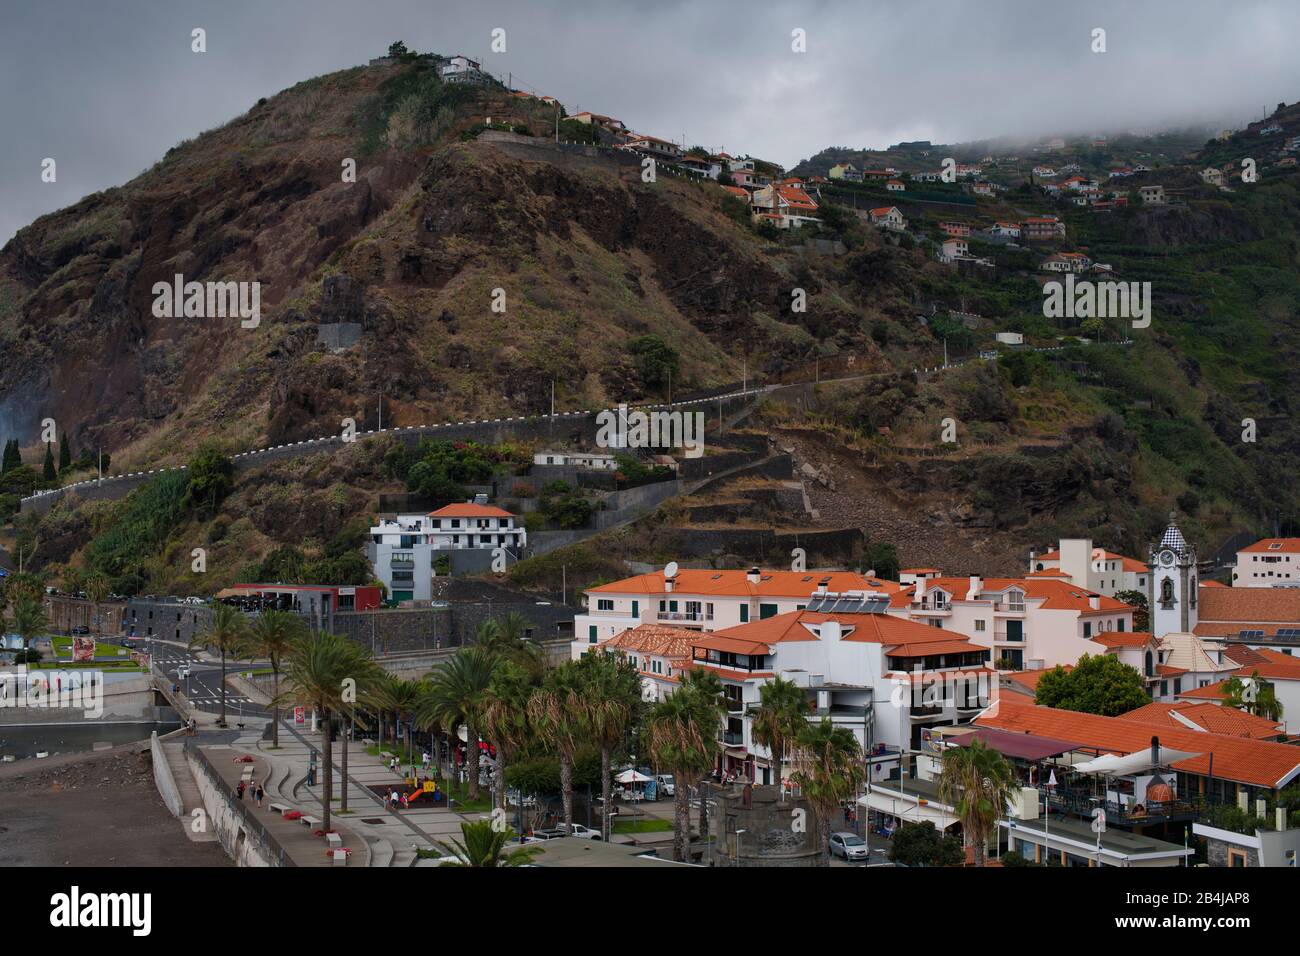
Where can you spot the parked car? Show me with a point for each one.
(556, 833)
(81, 629)
(664, 784)
(850, 846)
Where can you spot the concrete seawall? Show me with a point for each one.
(163, 777)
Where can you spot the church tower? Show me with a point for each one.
(1172, 587)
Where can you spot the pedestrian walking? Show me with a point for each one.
(239, 790)
(260, 794)
(394, 799)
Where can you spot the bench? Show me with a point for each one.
(340, 857)
(333, 841)
(310, 822)
(281, 808)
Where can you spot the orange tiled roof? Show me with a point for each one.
(657, 639)
(1250, 606)
(859, 628)
(469, 511)
(1208, 692)
(1122, 638)
(1273, 670)
(1257, 762)
(1283, 546)
(735, 583)
(1056, 595)
(1215, 718)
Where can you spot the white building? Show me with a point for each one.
(706, 600)
(1172, 586)
(403, 550)
(1268, 563)
(886, 680)
(1152, 195)
(888, 217)
(1028, 623)
(596, 461)
(1096, 569)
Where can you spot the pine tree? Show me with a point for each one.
(49, 473)
(13, 457)
(65, 453)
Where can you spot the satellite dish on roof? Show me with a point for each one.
(670, 569)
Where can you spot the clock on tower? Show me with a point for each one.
(1171, 591)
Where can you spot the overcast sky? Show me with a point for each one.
(106, 87)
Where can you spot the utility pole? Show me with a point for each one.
(552, 398)
(100, 452)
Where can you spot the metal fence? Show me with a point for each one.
(256, 831)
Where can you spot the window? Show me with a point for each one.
(604, 604)
(766, 610)
(1236, 858)
(979, 626)
(591, 634)
(1087, 628)
(744, 614)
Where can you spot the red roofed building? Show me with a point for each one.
(888, 217)
(884, 678)
(1214, 718)
(1239, 763)
(1106, 572)
(706, 599)
(787, 206)
(661, 653)
(1268, 563)
(1028, 623)
(403, 549)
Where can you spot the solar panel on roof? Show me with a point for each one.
(1252, 633)
(851, 602)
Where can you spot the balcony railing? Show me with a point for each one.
(685, 616)
(1081, 803)
(733, 737)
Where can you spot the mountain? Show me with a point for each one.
(382, 290)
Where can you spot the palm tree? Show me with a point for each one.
(482, 846)
(611, 702)
(505, 639)
(555, 710)
(96, 588)
(227, 632)
(977, 781)
(29, 620)
(272, 636)
(779, 718)
(455, 696)
(328, 673)
(505, 718)
(830, 771)
(1254, 696)
(681, 734)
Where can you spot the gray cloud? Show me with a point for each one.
(106, 89)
